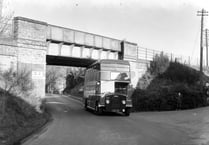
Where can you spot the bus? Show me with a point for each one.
(106, 86)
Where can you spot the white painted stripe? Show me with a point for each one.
(56, 103)
(75, 100)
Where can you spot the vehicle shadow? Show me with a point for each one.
(107, 114)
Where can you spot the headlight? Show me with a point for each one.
(123, 102)
(107, 101)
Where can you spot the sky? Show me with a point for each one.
(166, 25)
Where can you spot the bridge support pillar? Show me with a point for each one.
(81, 51)
(108, 54)
(129, 52)
(91, 51)
(60, 48)
(100, 54)
(30, 36)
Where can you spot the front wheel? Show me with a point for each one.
(127, 112)
(85, 104)
(98, 110)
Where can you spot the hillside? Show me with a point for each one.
(20, 120)
(178, 87)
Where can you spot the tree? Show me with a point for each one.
(74, 77)
(159, 64)
(5, 19)
(53, 73)
(14, 82)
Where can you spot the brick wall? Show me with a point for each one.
(30, 36)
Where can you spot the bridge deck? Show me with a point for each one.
(80, 38)
(68, 61)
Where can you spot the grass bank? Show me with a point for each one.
(19, 120)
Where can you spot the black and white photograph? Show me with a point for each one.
(104, 72)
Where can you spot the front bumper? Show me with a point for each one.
(116, 103)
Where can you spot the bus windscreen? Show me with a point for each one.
(116, 76)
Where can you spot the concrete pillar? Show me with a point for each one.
(81, 51)
(47, 45)
(108, 54)
(129, 52)
(100, 52)
(71, 50)
(60, 48)
(91, 51)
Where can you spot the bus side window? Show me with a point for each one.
(91, 74)
(94, 75)
(87, 75)
(97, 75)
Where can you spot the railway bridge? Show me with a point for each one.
(35, 44)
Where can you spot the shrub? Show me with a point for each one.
(163, 91)
(181, 73)
(145, 80)
(159, 64)
(74, 78)
(167, 98)
(53, 74)
(15, 83)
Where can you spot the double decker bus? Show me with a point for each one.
(106, 87)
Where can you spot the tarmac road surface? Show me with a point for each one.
(72, 125)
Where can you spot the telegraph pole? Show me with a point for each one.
(1, 6)
(206, 43)
(201, 13)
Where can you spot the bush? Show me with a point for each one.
(159, 64)
(16, 83)
(181, 73)
(74, 79)
(163, 91)
(164, 99)
(145, 80)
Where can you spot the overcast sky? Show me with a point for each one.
(169, 25)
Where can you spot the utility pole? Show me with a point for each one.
(206, 43)
(201, 13)
(1, 6)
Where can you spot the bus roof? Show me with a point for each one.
(110, 61)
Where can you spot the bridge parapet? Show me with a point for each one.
(29, 29)
(80, 38)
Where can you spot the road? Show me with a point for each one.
(72, 125)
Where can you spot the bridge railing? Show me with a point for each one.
(148, 55)
(76, 37)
